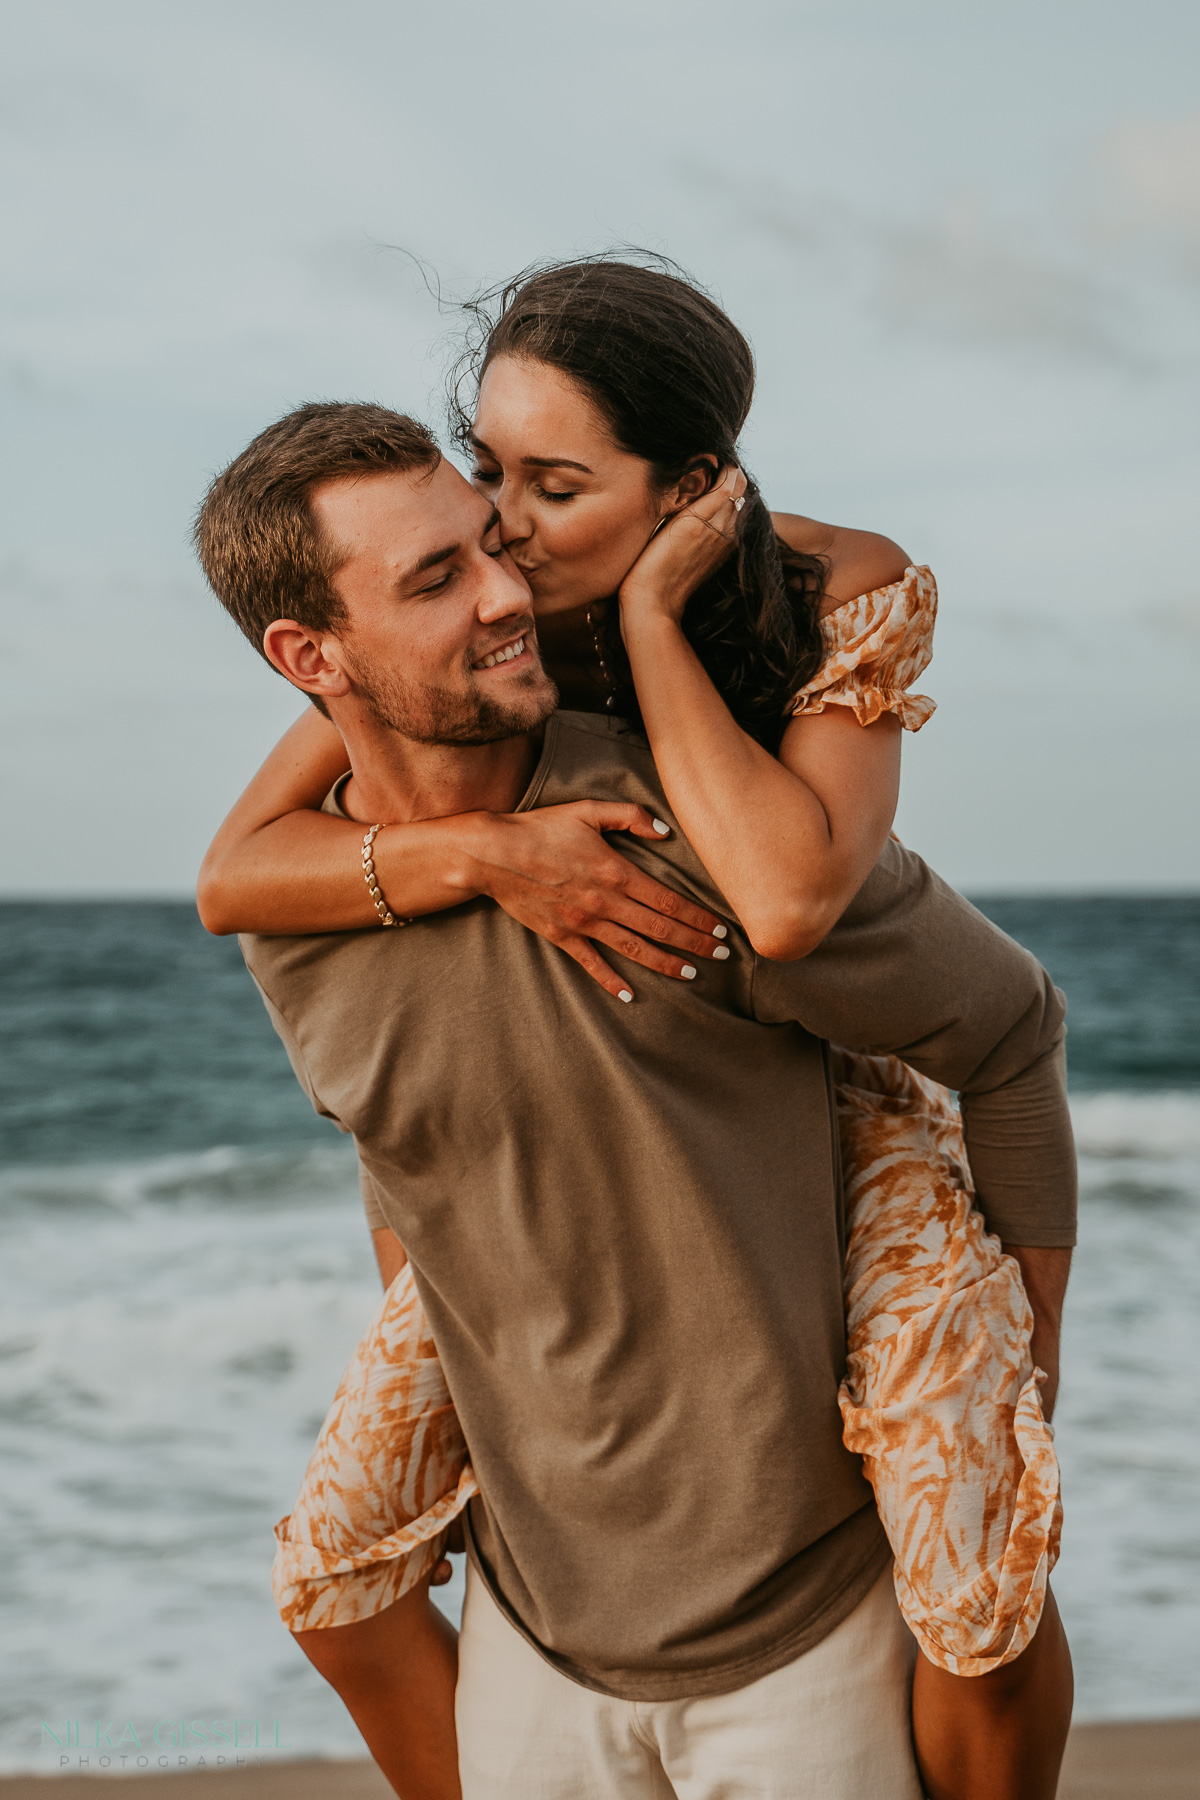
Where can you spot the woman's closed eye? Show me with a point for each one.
(485, 477)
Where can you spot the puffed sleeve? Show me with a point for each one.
(876, 646)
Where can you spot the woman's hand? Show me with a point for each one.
(552, 871)
(685, 551)
(788, 840)
(279, 866)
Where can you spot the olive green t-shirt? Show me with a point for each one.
(625, 1224)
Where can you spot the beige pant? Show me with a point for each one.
(833, 1725)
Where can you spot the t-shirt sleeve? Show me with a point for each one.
(290, 1042)
(368, 1186)
(913, 970)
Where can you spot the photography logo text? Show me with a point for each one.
(162, 1743)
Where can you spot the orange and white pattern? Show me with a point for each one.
(941, 1398)
(387, 1477)
(875, 647)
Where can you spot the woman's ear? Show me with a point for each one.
(696, 479)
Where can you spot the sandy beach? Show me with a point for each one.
(1155, 1760)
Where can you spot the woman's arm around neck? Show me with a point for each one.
(789, 840)
(279, 866)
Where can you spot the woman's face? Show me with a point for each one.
(576, 510)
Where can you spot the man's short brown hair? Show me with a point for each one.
(260, 546)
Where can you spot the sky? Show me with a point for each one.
(963, 239)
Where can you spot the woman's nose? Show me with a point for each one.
(515, 522)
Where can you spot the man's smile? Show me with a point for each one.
(510, 652)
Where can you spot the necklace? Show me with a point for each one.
(594, 624)
(594, 628)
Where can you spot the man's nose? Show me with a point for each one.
(505, 592)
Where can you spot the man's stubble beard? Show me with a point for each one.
(433, 715)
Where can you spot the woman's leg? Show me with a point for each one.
(356, 1557)
(942, 1401)
(386, 1480)
(999, 1736)
(395, 1673)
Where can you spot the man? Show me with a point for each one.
(624, 1222)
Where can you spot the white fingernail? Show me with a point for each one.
(688, 973)
(662, 829)
(720, 931)
(720, 953)
(624, 994)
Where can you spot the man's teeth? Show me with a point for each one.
(489, 662)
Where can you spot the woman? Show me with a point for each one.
(610, 398)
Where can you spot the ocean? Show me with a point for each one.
(185, 1272)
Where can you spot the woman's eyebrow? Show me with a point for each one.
(554, 462)
(534, 462)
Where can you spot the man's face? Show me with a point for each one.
(438, 639)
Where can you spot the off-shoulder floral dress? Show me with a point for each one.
(940, 1396)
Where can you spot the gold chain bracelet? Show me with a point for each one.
(373, 887)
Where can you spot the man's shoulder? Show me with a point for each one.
(597, 734)
(590, 756)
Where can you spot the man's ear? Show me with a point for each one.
(696, 479)
(306, 658)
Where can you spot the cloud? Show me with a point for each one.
(1016, 625)
(357, 265)
(1176, 620)
(112, 107)
(21, 382)
(960, 273)
(1153, 173)
(965, 275)
(1146, 187)
(23, 586)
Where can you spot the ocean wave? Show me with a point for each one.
(223, 1175)
(1154, 1126)
(174, 1331)
(1157, 1127)
(178, 1324)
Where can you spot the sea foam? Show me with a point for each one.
(176, 1327)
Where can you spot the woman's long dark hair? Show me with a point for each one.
(674, 378)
